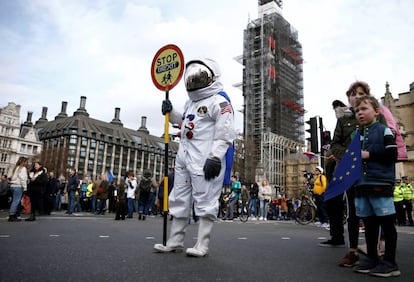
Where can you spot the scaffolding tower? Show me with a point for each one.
(272, 90)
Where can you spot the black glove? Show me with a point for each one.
(212, 168)
(166, 106)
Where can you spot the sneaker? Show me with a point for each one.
(385, 269)
(324, 225)
(261, 218)
(332, 244)
(349, 260)
(253, 218)
(365, 265)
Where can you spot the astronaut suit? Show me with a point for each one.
(207, 131)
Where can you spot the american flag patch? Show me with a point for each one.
(225, 108)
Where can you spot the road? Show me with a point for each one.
(91, 248)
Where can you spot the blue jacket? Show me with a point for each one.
(378, 172)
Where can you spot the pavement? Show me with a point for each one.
(87, 247)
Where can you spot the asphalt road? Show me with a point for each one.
(91, 248)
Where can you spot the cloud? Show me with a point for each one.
(54, 51)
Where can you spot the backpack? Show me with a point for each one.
(145, 184)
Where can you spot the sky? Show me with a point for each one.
(55, 50)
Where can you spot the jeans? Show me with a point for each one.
(71, 201)
(131, 203)
(144, 203)
(264, 207)
(93, 203)
(58, 200)
(151, 205)
(322, 213)
(253, 207)
(17, 193)
(101, 206)
(230, 208)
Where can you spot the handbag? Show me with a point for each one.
(26, 204)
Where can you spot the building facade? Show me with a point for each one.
(95, 147)
(16, 139)
(402, 109)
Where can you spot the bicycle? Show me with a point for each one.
(306, 212)
(242, 210)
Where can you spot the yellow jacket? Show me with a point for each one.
(398, 193)
(319, 186)
(89, 190)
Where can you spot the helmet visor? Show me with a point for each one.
(197, 76)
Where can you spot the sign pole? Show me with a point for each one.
(165, 198)
(167, 68)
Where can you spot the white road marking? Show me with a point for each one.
(4, 236)
(103, 236)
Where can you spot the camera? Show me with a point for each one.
(308, 175)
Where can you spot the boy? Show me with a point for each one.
(374, 191)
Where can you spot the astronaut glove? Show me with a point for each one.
(166, 106)
(212, 168)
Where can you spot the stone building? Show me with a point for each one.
(16, 139)
(95, 147)
(402, 109)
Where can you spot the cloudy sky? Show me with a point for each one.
(54, 51)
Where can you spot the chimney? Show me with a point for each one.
(43, 118)
(143, 127)
(28, 121)
(116, 119)
(82, 109)
(62, 113)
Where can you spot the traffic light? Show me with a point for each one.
(313, 130)
(326, 140)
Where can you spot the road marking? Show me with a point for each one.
(103, 236)
(242, 238)
(322, 238)
(150, 237)
(54, 235)
(4, 236)
(285, 238)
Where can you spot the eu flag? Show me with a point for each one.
(110, 176)
(347, 171)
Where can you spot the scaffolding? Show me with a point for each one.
(276, 150)
(273, 92)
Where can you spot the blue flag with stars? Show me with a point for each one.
(347, 171)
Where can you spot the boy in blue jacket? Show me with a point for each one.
(374, 191)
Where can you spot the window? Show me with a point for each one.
(73, 139)
(3, 157)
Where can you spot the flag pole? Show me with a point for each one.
(165, 198)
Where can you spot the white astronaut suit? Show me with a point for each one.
(207, 131)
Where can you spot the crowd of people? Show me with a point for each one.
(39, 192)
(261, 202)
(377, 200)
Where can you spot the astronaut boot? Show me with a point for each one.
(175, 242)
(204, 230)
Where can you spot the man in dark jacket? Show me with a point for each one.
(52, 189)
(36, 187)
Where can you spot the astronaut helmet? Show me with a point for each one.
(200, 73)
